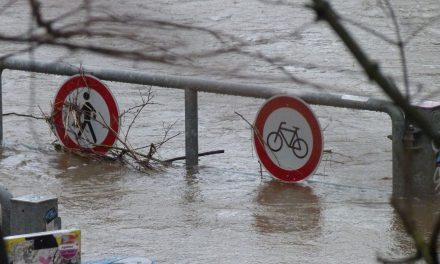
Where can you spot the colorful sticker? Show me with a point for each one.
(50, 215)
(54, 247)
(69, 246)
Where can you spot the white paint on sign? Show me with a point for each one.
(285, 157)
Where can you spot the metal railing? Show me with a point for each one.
(193, 85)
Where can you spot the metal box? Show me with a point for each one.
(34, 213)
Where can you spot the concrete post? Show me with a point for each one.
(191, 128)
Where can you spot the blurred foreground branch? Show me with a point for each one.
(425, 250)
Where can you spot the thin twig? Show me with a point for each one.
(139, 109)
(25, 115)
(200, 155)
(369, 30)
(401, 46)
(371, 69)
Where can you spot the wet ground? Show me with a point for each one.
(226, 211)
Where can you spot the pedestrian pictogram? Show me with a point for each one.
(86, 115)
(87, 112)
(288, 138)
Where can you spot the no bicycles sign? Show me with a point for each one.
(86, 115)
(288, 138)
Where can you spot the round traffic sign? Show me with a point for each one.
(288, 138)
(85, 115)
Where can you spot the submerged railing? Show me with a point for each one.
(194, 85)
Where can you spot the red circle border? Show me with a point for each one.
(79, 81)
(302, 108)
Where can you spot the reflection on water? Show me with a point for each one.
(88, 183)
(191, 192)
(423, 214)
(287, 208)
(74, 169)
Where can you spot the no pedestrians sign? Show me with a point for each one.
(86, 115)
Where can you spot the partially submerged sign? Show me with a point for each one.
(86, 115)
(288, 138)
(54, 247)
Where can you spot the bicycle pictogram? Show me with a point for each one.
(276, 139)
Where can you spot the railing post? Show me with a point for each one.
(398, 150)
(191, 128)
(1, 109)
(5, 202)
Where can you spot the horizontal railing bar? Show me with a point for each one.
(229, 88)
(201, 85)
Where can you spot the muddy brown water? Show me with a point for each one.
(226, 211)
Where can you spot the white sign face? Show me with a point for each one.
(288, 138)
(86, 115)
(88, 125)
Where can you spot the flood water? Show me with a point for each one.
(226, 211)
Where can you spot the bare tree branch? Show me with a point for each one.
(369, 30)
(422, 28)
(325, 12)
(139, 109)
(24, 115)
(401, 46)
